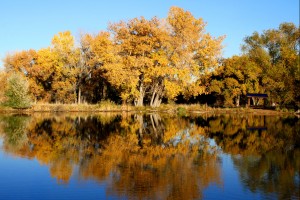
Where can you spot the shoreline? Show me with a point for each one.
(180, 109)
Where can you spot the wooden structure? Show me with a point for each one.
(255, 98)
(254, 127)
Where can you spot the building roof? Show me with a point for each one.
(257, 95)
(253, 128)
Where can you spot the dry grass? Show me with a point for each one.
(101, 107)
(107, 106)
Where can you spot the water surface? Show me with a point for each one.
(150, 156)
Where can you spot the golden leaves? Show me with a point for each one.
(135, 57)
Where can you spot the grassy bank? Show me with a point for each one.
(180, 109)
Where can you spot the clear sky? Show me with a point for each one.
(26, 24)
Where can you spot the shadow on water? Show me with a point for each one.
(161, 156)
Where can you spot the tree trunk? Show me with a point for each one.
(152, 98)
(140, 99)
(104, 89)
(79, 96)
(158, 129)
(253, 99)
(140, 131)
(153, 124)
(237, 101)
(157, 100)
(156, 97)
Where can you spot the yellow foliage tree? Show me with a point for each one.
(163, 57)
(64, 81)
(192, 52)
(98, 54)
(143, 60)
(139, 44)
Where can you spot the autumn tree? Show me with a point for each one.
(54, 70)
(276, 51)
(63, 85)
(51, 71)
(269, 64)
(23, 62)
(163, 58)
(237, 76)
(192, 53)
(139, 60)
(139, 44)
(97, 53)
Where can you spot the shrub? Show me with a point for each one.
(107, 104)
(3, 77)
(277, 108)
(181, 111)
(17, 92)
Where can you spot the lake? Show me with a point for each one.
(149, 156)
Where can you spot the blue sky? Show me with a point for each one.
(32, 23)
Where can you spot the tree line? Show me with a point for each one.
(148, 61)
(270, 64)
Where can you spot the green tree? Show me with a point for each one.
(17, 92)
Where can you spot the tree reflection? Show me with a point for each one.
(15, 133)
(141, 156)
(143, 164)
(155, 156)
(273, 172)
(233, 135)
(267, 159)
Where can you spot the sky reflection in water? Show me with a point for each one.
(149, 156)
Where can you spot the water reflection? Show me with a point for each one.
(15, 131)
(233, 135)
(156, 156)
(271, 173)
(140, 156)
(267, 158)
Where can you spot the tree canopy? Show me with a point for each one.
(146, 61)
(270, 64)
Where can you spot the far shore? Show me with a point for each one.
(181, 109)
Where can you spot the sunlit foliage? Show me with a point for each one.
(139, 60)
(276, 52)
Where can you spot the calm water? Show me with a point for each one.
(122, 156)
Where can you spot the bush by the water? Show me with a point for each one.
(17, 92)
(181, 111)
